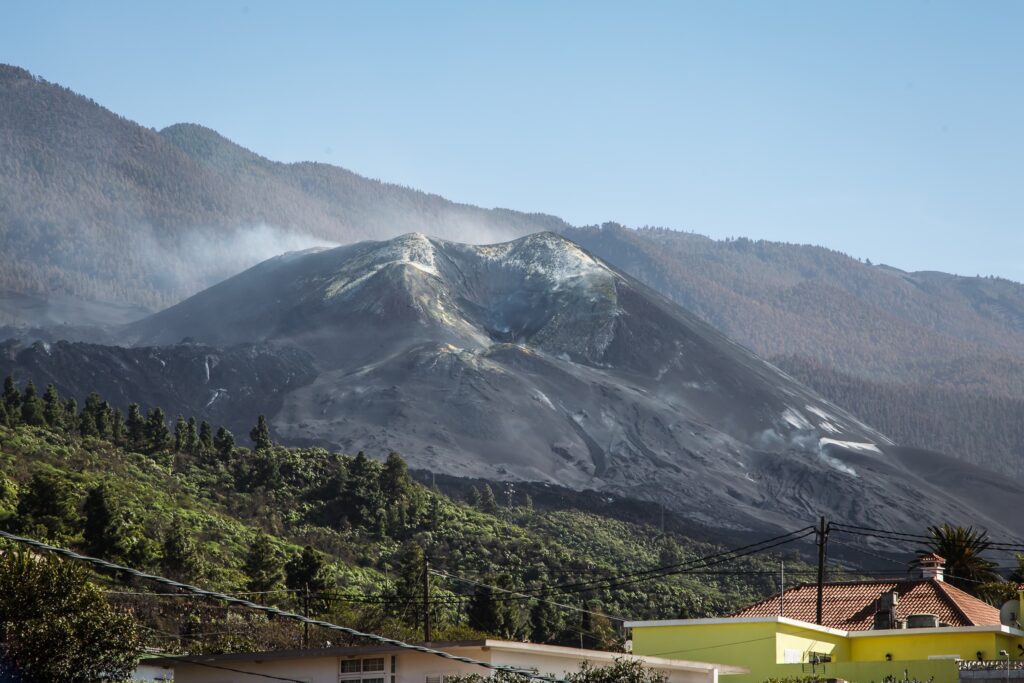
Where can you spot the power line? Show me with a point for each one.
(674, 569)
(277, 612)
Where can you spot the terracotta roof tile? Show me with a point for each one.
(851, 605)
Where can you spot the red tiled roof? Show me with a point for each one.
(851, 605)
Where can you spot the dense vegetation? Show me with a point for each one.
(344, 536)
(56, 626)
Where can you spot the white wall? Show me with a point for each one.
(412, 667)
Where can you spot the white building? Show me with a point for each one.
(381, 664)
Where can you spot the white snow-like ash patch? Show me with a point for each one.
(414, 249)
(837, 464)
(852, 445)
(827, 426)
(47, 348)
(794, 418)
(539, 395)
(814, 410)
(544, 255)
(217, 393)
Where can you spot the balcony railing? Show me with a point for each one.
(990, 665)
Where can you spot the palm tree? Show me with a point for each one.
(962, 548)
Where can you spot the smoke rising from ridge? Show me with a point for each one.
(198, 258)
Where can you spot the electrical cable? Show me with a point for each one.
(232, 600)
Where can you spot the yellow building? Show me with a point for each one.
(869, 630)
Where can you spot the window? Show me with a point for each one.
(349, 670)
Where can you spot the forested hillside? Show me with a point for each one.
(931, 359)
(185, 500)
(98, 207)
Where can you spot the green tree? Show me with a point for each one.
(56, 626)
(180, 558)
(962, 548)
(488, 503)
(70, 415)
(117, 428)
(136, 428)
(98, 523)
(4, 421)
(157, 434)
(53, 409)
(180, 428)
(263, 564)
(546, 623)
(205, 436)
(224, 444)
(191, 437)
(306, 570)
(12, 398)
(32, 409)
(260, 434)
(48, 506)
(489, 612)
(395, 480)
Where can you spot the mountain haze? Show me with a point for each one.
(95, 206)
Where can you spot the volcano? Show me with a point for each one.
(533, 360)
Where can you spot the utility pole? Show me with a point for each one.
(426, 598)
(305, 613)
(782, 588)
(822, 541)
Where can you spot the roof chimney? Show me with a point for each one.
(932, 566)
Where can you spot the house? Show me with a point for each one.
(869, 630)
(385, 664)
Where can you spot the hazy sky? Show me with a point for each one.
(889, 130)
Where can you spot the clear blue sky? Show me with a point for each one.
(889, 130)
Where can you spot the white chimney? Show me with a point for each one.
(932, 567)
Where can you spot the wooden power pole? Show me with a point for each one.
(822, 541)
(426, 598)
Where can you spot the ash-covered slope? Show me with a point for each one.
(534, 360)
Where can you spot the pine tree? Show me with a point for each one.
(92, 421)
(53, 410)
(71, 415)
(99, 521)
(306, 570)
(191, 437)
(157, 434)
(224, 444)
(4, 421)
(48, 506)
(180, 558)
(136, 428)
(117, 429)
(180, 430)
(32, 407)
(488, 503)
(545, 622)
(263, 564)
(395, 480)
(260, 434)
(205, 436)
(12, 398)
